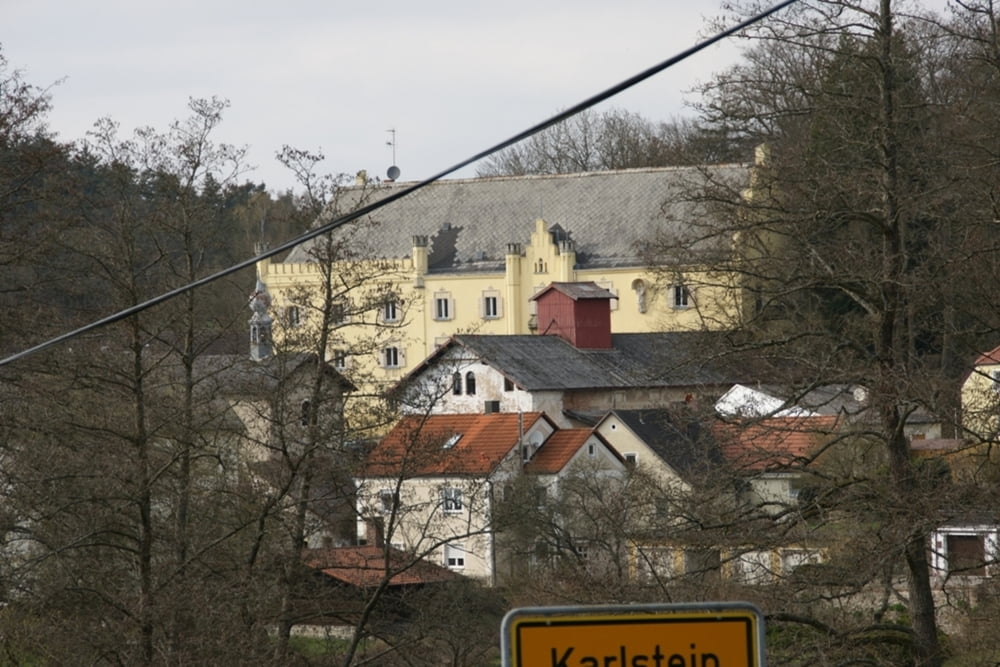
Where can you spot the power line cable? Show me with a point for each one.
(365, 210)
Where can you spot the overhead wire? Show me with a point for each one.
(325, 228)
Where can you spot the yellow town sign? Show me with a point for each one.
(685, 635)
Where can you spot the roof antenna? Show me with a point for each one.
(393, 172)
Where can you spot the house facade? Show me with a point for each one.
(433, 484)
(576, 371)
(981, 398)
(468, 255)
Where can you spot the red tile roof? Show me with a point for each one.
(415, 446)
(989, 358)
(365, 566)
(556, 452)
(773, 443)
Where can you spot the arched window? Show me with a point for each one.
(470, 383)
(456, 383)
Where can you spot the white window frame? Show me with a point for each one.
(444, 307)
(995, 380)
(293, 315)
(631, 458)
(451, 500)
(454, 556)
(680, 297)
(390, 311)
(491, 305)
(340, 361)
(391, 357)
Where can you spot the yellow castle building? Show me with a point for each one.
(466, 256)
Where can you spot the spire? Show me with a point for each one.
(260, 323)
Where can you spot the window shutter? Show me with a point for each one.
(482, 306)
(451, 308)
(499, 306)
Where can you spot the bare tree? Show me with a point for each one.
(613, 139)
(848, 244)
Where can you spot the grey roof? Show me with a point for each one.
(635, 360)
(680, 440)
(577, 291)
(232, 374)
(470, 221)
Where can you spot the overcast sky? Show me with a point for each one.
(451, 77)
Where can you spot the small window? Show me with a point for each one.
(305, 417)
(388, 500)
(631, 458)
(508, 384)
(681, 296)
(390, 312)
(456, 383)
(338, 313)
(391, 357)
(490, 307)
(451, 499)
(541, 495)
(258, 334)
(470, 383)
(293, 316)
(454, 556)
(340, 359)
(444, 306)
(966, 555)
(995, 375)
(591, 449)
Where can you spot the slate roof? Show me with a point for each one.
(415, 445)
(680, 441)
(635, 360)
(471, 221)
(364, 566)
(576, 291)
(240, 375)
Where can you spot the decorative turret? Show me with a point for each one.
(260, 323)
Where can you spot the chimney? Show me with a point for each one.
(420, 259)
(579, 313)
